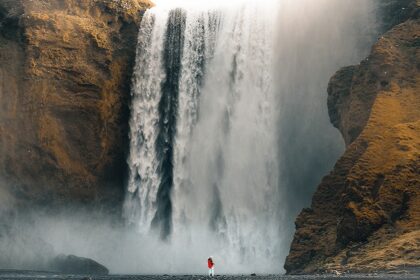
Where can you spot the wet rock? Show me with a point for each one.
(70, 264)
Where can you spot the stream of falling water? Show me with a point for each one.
(203, 131)
(204, 158)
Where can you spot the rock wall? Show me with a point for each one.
(365, 215)
(65, 70)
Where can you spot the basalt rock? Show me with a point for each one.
(77, 265)
(365, 215)
(65, 70)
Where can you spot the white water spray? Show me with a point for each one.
(205, 163)
(143, 163)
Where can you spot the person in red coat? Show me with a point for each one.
(210, 265)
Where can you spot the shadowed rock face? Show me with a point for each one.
(365, 215)
(77, 265)
(65, 69)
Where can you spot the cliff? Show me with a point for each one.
(65, 70)
(365, 215)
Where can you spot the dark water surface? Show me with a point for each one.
(18, 275)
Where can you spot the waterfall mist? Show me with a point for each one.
(230, 132)
(315, 40)
(229, 138)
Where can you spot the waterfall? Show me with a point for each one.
(225, 146)
(144, 124)
(210, 123)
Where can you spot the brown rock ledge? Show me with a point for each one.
(65, 70)
(365, 215)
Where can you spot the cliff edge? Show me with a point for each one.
(365, 215)
(65, 70)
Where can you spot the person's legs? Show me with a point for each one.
(212, 271)
(209, 271)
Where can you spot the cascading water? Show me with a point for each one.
(203, 156)
(225, 146)
(206, 168)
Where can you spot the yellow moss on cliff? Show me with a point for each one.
(52, 138)
(369, 206)
(69, 130)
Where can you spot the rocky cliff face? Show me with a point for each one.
(65, 69)
(365, 215)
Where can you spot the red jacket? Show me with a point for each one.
(210, 263)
